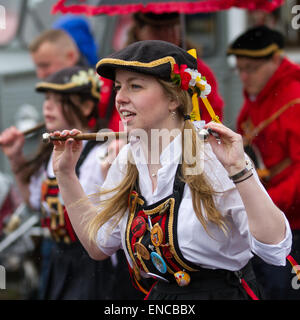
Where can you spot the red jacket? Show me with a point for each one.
(279, 139)
(214, 99)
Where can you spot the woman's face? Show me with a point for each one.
(53, 112)
(142, 102)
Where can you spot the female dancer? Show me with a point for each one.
(187, 213)
(71, 99)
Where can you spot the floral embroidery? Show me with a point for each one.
(191, 79)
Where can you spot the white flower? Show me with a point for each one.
(198, 81)
(206, 90)
(84, 77)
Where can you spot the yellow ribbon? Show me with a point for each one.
(210, 110)
(195, 114)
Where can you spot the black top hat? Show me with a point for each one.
(73, 80)
(152, 57)
(258, 42)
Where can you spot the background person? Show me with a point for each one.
(71, 100)
(52, 51)
(81, 32)
(269, 123)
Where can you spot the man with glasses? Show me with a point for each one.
(269, 122)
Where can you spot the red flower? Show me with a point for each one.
(185, 80)
(184, 76)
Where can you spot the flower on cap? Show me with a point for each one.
(84, 77)
(188, 78)
(181, 77)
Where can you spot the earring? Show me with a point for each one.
(173, 115)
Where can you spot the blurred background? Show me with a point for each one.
(21, 106)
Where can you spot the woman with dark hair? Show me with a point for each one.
(188, 212)
(71, 100)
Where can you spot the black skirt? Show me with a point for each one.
(210, 285)
(73, 275)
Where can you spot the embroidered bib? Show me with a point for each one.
(151, 235)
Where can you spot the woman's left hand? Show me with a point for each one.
(229, 149)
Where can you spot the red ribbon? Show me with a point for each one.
(248, 290)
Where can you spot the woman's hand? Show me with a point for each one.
(66, 153)
(12, 142)
(230, 150)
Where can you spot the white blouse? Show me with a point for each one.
(214, 250)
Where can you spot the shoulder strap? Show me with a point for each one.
(86, 150)
(179, 184)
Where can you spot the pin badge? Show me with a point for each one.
(142, 250)
(158, 262)
(164, 208)
(138, 226)
(182, 278)
(156, 235)
(149, 222)
(156, 276)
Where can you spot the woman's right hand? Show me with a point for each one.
(12, 141)
(66, 153)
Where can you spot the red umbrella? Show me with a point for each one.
(112, 7)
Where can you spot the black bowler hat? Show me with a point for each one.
(73, 80)
(258, 42)
(152, 57)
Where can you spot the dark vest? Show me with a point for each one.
(54, 214)
(145, 246)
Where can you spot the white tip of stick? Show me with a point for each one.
(46, 137)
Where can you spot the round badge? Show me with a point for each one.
(157, 235)
(138, 226)
(142, 250)
(158, 262)
(182, 278)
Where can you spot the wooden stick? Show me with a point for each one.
(34, 129)
(98, 136)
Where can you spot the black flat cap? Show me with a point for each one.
(76, 80)
(152, 57)
(258, 42)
